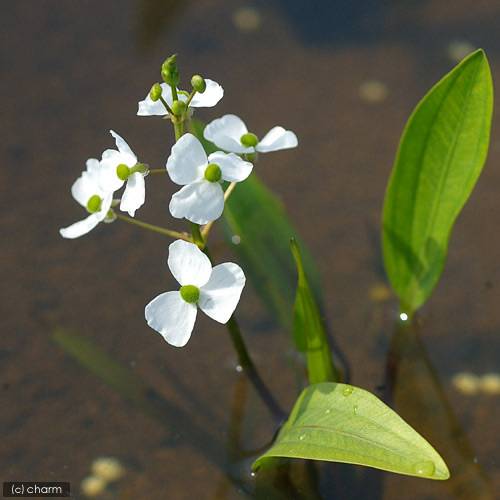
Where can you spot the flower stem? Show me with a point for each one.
(156, 229)
(197, 236)
(249, 369)
(167, 107)
(153, 171)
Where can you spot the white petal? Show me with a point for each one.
(148, 107)
(81, 227)
(123, 147)
(105, 206)
(233, 168)
(108, 180)
(171, 316)
(212, 95)
(277, 138)
(92, 165)
(134, 194)
(188, 264)
(200, 202)
(226, 133)
(84, 187)
(187, 161)
(220, 296)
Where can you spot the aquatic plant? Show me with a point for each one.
(441, 154)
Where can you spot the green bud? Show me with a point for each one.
(169, 71)
(122, 171)
(213, 173)
(190, 293)
(94, 204)
(198, 83)
(249, 140)
(155, 92)
(179, 107)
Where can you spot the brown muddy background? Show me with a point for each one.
(72, 70)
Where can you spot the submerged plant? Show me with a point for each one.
(440, 157)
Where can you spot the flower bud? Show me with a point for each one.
(155, 92)
(122, 171)
(169, 71)
(190, 293)
(213, 173)
(178, 107)
(249, 140)
(198, 83)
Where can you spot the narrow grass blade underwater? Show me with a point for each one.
(441, 154)
(342, 423)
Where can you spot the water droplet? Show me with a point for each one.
(355, 409)
(238, 368)
(426, 468)
(302, 437)
(252, 474)
(347, 390)
(403, 317)
(235, 239)
(328, 411)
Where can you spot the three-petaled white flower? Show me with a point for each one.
(216, 291)
(201, 200)
(88, 191)
(210, 97)
(231, 134)
(119, 167)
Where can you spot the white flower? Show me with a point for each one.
(88, 191)
(216, 291)
(201, 200)
(231, 134)
(120, 166)
(212, 95)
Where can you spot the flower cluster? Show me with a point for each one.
(203, 179)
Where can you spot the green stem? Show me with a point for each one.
(156, 229)
(153, 171)
(190, 98)
(167, 107)
(197, 237)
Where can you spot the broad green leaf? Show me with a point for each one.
(441, 154)
(342, 423)
(257, 217)
(308, 328)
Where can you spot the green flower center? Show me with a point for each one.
(94, 204)
(249, 140)
(122, 171)
(213, 173)
(190, 293)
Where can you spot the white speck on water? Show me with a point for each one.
(236, 240)
(403, 317)
(238, 368)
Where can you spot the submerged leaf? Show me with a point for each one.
(441, 154)
(342, 423)
(308, 328)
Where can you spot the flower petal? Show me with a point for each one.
(85, 187)
(220, 296)
(200, 202)
(134, 194)
(187, 161)
(212, 95)
(277, 138)
(124, 148)
(81, 227)
(226, 133)
(233, 168)
(188, 264)
(172, 317)
(148, 107)
(108, 180)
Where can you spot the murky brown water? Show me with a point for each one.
(71, 71)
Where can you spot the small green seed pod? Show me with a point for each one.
(190, 293)
(94, 204)
(122, 171)
(213, 173)
(179, 108)
(249, 140)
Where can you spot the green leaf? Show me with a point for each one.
(308, 328)
(441, 154)
(342, 423)
(255, 215)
